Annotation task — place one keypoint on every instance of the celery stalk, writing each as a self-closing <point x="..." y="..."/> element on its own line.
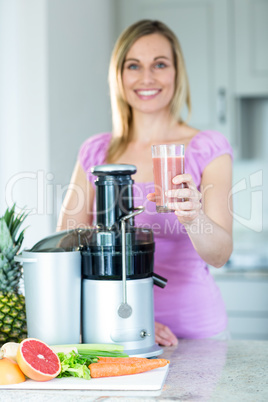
<point x="97" y="353"/>
<point x="97" y="349"/>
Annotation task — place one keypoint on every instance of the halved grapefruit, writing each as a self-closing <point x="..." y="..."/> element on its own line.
<point x="37" y="360"/>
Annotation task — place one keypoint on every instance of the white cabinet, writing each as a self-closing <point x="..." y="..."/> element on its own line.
<point x="250" y="47"/>
<point x="246" y="300"/>
<point x="202" y="29"/>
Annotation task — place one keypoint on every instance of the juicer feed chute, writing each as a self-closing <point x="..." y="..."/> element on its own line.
<point x="117" y="269"/>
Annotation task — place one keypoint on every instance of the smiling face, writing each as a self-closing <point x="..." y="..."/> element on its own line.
<point x="149" y="74"/>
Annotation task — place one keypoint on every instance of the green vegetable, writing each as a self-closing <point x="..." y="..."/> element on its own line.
<point x="75" y="365"/>
<point x="97" y="353"/>
<point x="97" y="349"/>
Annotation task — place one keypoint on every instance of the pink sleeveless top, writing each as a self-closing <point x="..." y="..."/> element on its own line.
<point x="191" y="304"/>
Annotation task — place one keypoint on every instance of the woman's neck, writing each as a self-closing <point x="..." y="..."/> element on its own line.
<point x="152" y="128"/>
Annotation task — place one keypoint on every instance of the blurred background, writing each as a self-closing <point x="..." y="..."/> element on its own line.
<point x="54" y="57"/>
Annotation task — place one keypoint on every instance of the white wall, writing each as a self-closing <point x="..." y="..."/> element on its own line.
<point x="53" y="95"/>
<point x="24" y="137"/>
<point x="80" y="37"/>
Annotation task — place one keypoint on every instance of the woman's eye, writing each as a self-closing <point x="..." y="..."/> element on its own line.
<point x="160" y="65"/>
<point x="132" y="66"/>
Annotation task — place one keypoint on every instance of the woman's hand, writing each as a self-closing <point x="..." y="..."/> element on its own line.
<point x="164" y="336"/>
<point x="185" y="201"/>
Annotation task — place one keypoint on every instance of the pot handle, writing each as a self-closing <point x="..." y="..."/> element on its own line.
<point x="24" y="259"/>
<point x="159" y="280"/>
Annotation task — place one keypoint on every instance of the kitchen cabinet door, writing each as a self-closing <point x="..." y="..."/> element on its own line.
<point x="251" y="47"/>
<point x="246" y="301"/>
<point x="201" y="27"/>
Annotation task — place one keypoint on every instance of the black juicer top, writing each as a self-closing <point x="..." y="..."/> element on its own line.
<point x="102" y="258"/>
<point x="114" y="194"/>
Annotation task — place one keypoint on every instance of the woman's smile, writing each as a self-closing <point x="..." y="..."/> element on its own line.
<point x="147" y="94"/>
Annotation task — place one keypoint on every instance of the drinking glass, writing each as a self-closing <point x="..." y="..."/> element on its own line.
<point x="168" y="162"/>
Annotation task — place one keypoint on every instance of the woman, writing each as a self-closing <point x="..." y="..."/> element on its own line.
<point x="149" y="88"/>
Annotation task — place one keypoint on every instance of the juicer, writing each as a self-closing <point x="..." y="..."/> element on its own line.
<point x="117" y="268"/>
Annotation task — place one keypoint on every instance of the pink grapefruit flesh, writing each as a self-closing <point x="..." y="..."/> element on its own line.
<point x="37" y="360"/>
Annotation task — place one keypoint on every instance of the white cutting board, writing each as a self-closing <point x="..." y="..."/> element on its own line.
<point x="149" y="381"/>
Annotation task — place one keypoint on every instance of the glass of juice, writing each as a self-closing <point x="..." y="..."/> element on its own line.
<point x="168" y="162"/>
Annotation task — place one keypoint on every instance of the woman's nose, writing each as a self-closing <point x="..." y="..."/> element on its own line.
<point x="147" y="76"/>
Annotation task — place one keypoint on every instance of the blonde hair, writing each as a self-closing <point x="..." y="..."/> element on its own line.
<point x="121" y="111"/>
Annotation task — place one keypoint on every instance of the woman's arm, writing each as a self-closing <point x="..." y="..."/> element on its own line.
<point x="76" y="210"/>
<point x="209" y="227"/>
<point x="208" y="224"/>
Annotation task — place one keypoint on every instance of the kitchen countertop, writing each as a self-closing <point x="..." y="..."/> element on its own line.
<point x="200" y="370"/>
<point x="238" y="274"/>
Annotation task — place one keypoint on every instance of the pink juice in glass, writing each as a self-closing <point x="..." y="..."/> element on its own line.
<point x="165" y="169"/>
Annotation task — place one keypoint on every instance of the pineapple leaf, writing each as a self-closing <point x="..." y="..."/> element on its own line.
<point x="13" y="223"/>
<point x="8" y="215"/>
<point x="11" y="252"/>
<point x="5" y="238"/>
<point x="16" y="224"/>
<point x="10" y="242"/>
<point x="21" y="237"/>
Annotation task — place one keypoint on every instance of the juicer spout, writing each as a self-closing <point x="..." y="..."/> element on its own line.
<point x="159" y="280"/>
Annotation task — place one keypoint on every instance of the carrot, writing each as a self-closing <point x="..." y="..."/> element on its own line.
<point x="111" y="369"/>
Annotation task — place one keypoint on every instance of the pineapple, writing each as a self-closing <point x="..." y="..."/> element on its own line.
<point x="12" y="302"/>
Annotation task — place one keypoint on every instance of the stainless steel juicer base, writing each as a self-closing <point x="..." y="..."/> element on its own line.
<point x="103" y="323"/>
